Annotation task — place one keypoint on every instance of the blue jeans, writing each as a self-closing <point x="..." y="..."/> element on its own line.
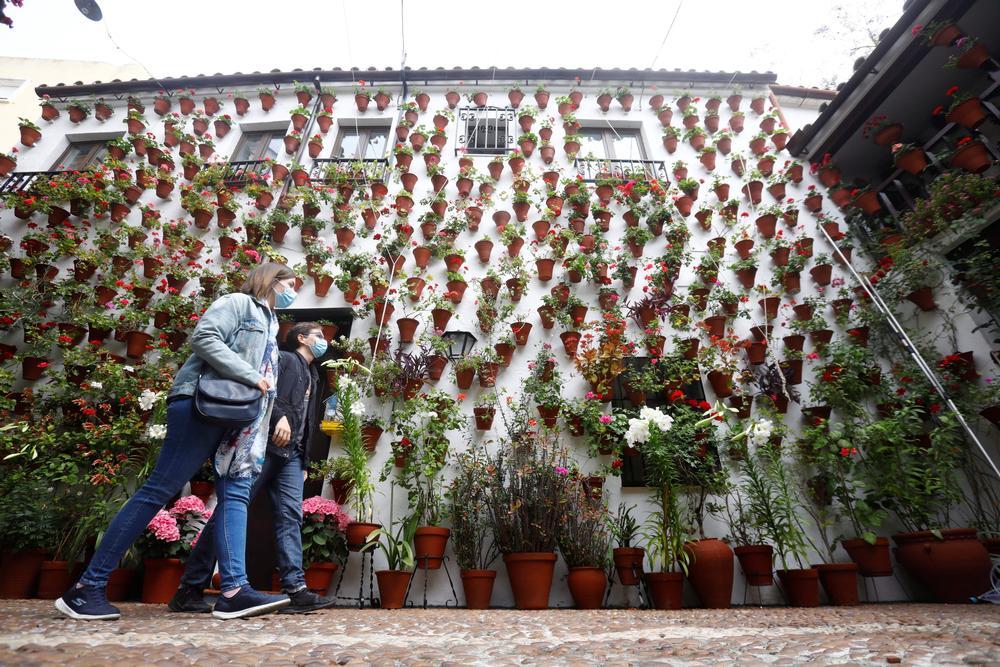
<point x="187" y="444"/>
<point x="283" y="480"/>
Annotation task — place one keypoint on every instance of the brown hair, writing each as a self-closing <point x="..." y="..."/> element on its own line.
<point x="300" y="329"/>
<point x="262" y="278"/>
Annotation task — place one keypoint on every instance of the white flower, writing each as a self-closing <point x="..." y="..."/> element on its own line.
<point x="147" y="399"/>
<point x="97" y="385"/>
<point x="638" y="432"/>
<point x="358" y="409"/>
<point x="660" y="420"/>
<point x="761" y="431"/>
<point x="157" y="431"/>
<point x="128" y="369"/>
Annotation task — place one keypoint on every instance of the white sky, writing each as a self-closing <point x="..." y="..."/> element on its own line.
<point x="185" y="37"/>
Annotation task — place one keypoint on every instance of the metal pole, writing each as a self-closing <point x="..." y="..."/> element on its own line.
<point x="910" y="348"/>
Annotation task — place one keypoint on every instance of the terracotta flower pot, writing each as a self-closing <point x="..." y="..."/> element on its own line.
<point x="21" y="570"/>
<point x="840" y="581"/>
<point x="319" y="576"/>
<point x="628" y="564"/>
<point x="392" y="585"/>
<point x="429" y="544"/>
<point x="722" y="383"/>
<point x="407" y="328"/>
<point x="120" y="584"/>
<point x="756" y="563"/>
<point x="912" y="161"/>
<point x="972" y="157"/>
<point x="357" y="532"/>
<point x="711" y="572"/>
<point x="969" y="114"/>
<point x="570" y="340"/>
<point x="953" y="569"/>
<point x="478" y="587"/>
<point x="484" y="417"/>
<point x="530" y="578"/>
<point x="872" y="559"/>
<point x="801" y="587"/>
<point x="666" y="589"/>
<point x="586" y="585"/>
<point x="160" y="580"/>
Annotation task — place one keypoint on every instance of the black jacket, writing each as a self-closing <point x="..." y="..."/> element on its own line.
<point x="295" y="376"/>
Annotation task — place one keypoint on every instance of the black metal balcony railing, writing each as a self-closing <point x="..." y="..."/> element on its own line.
<point x="23" y="180"/>
<point x="485" y="130"/>
<point x="594" y="168"/>
<point x="368" y="170"/>
<point x="242" y="172"/>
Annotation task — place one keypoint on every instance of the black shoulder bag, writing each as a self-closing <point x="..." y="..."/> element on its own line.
<point x="228" y="403"/>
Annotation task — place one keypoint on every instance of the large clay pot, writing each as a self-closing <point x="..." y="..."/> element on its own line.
<point x="628" y="564"/>
<point x="161" y="579"/>
<point x="801" y="587"/>
<point x="840" y="581"/>
<point x="954" y="568"/>
<point x="54" y="579"/>
<point x="478" y="586"/>
<point x="711" y="572"/>
<point x="430" y="541"/>
<point x="392" y="585"/>
<point x="319" y="576"/>
<point x="530" y="576"/>
<point x="20" y="573"/>
<point x="666" y="589"/>
<point x="120" y="584"/>
<point x="872" y="559"/>
<point x="357" y="532"/>
<point x="756" y="563"/>
<point x="586" y="585"/>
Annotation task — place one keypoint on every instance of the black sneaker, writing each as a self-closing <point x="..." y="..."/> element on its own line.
<point x="87" y="603"/>
<point x="189" y="600"/>
<point x="247" y="603"/>
<point x="305" y="600"/>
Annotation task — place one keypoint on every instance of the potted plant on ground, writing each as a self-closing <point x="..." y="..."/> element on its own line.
<point x="324" y="541"/>
<point x="167" y="540"/>
<point x="475" y="549"/>
<point x="397" y="547"/>
<point x="584" y="541"/>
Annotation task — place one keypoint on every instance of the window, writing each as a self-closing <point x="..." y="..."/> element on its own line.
<point x="362" y="143"/>
<point x="259" y="145"/>
<point x="81" y="155"/>
<point x="9" y="88"/>
<point x="611" y="143"/>
<point x="486" y="130"/>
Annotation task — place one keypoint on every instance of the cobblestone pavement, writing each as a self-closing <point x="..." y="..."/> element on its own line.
<point x="32" y="633"/>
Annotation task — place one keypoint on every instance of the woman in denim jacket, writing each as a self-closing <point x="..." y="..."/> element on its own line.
<point x="234" y="339"/>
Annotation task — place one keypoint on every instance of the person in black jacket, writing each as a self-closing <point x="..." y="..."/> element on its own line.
<point x="292" y="422"/>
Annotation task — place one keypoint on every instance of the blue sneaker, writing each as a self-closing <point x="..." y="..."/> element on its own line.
<point x="87" y="603"/>
<point x="247" y="603"/>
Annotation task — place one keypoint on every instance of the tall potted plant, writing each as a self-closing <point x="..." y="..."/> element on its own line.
<point x="475" y="549"/>
<point x="362" y="488"/>
<point x="584" y="541"/>
<point x="524" y="492"/>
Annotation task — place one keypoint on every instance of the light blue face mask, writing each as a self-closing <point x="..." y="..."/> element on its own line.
<point x="284" y="299"/>
<point x="318" y="348"/>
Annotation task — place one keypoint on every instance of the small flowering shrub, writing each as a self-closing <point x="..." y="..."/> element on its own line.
<point x="173" y="533"/>
<point x="324" y="526"/>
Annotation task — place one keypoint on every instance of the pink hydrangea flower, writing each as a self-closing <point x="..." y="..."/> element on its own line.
<point x="605" y="419"/>
<point x="164" y="527"/>
<point x="188" y="504"/>
<point x="321" y="507"/>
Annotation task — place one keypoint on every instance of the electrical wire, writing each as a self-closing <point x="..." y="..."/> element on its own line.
<point x="131" y="57"/>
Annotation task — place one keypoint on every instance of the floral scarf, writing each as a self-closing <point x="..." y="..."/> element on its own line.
<point x="241" y="453"/>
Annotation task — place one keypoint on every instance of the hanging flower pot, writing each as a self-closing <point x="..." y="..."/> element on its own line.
<point x="923" y="298"/>
<point x="407" y="328"/>
<point x="792" y="282"/>
<point x="484" y="417"/>
<point x="440" y="316"/>
<point x="821" y="274"/>
<point x="801" y="587"/>
<point x="969" y="114"/>
<point x="530" y="578"/>
<point x="722" y="383"/>
<point x="971" y="156"/>
<point x="29" y="135"/>
<point x="770" y="306"/>
<point x="766" y="225"/>
<point x="868" y="202"/>
<point x="570" y="340"/>
<point x="487" y="373"/>
<point x="753" y="191"/>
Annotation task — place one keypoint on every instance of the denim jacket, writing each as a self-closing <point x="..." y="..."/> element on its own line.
<point x="230" y="340"/>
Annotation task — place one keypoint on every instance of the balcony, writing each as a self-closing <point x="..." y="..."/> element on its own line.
<point x="23" y="180"/>
<point x="340" y="169"/>
<point x="594" y="168"/>
<point x="242" y="172"/>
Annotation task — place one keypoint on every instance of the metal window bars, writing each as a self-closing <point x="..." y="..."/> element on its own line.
<point x="20" y="181"/>
<point x="242" y="172"/>
<point x="485" y="130"/>
<point x="592" y="169"/>
<point x="358" y="170"/>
